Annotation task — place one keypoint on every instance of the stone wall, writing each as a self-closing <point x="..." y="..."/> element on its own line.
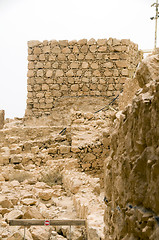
<point x="132" y="169"/>
<point x="58" y="69"/>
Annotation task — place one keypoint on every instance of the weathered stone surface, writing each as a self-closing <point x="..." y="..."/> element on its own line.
<point x="2" y="114"/>
<point x="147" y="70"/>
<point x="131" y="170"/>
<point x="46" y="195"/>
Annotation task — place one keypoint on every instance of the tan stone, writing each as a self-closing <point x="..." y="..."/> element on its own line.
<point x="59" y="73"/>
<point x="46" y="49"/>
<point x="64" y="149"/>
<point x="85" y="65"/>
<point x="29" y="201"/>
<point x="70" y="73"/>
<point x="56" y="50"/>
<point x="30" y="73"/>
<point x="49" y="73"/>
<point x="108" y="65"/>
<point x="93" y="48"/>
<point x="37" y="50"/>
<point x="84" y="49"/>
<point x="66" y="50"/>
<point x="74" y="65"/>
<point x="102" y="49"/>
<point x="45" y="87"/>
<point x="15" y="214"/>
<point x="2" y="118"/>
<point x="75" y="49"/>
<point x="46" y="195"/>
<point x="33" y="43"/>
<point x="82" y="42"/>
<point x="94" y="66"/>
<point x="40" y="73"/>
<point x="96" y="73"/>
<point x="75" y="87"/>
<point x="122" y="63"/>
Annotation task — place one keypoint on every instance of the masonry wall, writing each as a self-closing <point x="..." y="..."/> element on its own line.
<point x="57" y="69"/>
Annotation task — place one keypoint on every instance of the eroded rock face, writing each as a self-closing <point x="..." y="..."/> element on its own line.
<point x="1" y="118"/>
<point x="132" y="169"/>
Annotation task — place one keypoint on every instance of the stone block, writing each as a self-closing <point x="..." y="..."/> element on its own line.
<point x="64" y="149"/>
<point x="33" y="43"/>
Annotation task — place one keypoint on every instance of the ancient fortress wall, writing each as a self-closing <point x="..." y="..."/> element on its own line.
<point x="59" y="69"/>
<point x="132" y="169"/>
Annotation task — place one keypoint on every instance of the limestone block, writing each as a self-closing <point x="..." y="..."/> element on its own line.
<point x="74" y="65"/>
<point x="28" y="201"/>
<point x="71" y="57"/>
<point x="56" y="50"/>
<point x="72" y="42"/>
<point x="63" y="43"/>
<point x="70" y="73"/>
<point x="42" y="57"/>
<point x="5" y="202"/>
<point x="2" y="118"/>
<point x="122" y="63"/>
<point x="49" y="73"/>
<point x="84" y="49"/>
<point x="108" y="65"/>
<point x="85" y="65"/>
<point x="96" y="73"/>
<point x="40" y="73"/>
<point x="52" y="150"/>
<point x="45" y="87"/>
<point x="102" y="49"/>
<point x="15" y="214"/>
<point x="59" y="73"/>
<point x="47" y="65"/>
<point x="75" y="49"/>
<point x="31" y="57"/>
<point x="40" y="233"/>
<point x="93" y="48"/>
<point x="46" y="194"/>
<point x="89" y="157"/>
<point x="32" y="212"/>
<point x="114" y="56"/>
<point x="75" y="87"/>
<point x="82" y="42"/>
<point x="39" y="65"/>
<point x="108" y="73"/>
<point x="46" y="49"/>
<point x="81" y="56"/>
<point x="66" y="50"/>
<point x="16" y="159"/>
<point x="30" y="65"/>
<point x="64" y="149"/>
<point x="37" y="50"/>
<point x="64" y="88"/>
<point x="91" y="41"/>
<point x="125" y="72"/>
<point x="33" y="43"/>
<point x="94" y="66"/>
<point x="30" y="73"/>
<point x="61" y="57"/>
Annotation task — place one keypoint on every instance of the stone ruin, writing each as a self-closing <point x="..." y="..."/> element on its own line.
<point x="74" y="155"/>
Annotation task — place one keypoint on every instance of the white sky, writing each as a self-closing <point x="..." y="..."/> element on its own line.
<point x="24" y="20"/>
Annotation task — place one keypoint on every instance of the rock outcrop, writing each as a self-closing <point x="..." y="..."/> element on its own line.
<point x="132" y="169"/>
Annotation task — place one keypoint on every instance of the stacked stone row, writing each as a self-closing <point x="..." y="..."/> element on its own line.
<point x="62" y="68"/>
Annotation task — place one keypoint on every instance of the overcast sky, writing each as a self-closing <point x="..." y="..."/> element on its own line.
<point x="24" y="20"/>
